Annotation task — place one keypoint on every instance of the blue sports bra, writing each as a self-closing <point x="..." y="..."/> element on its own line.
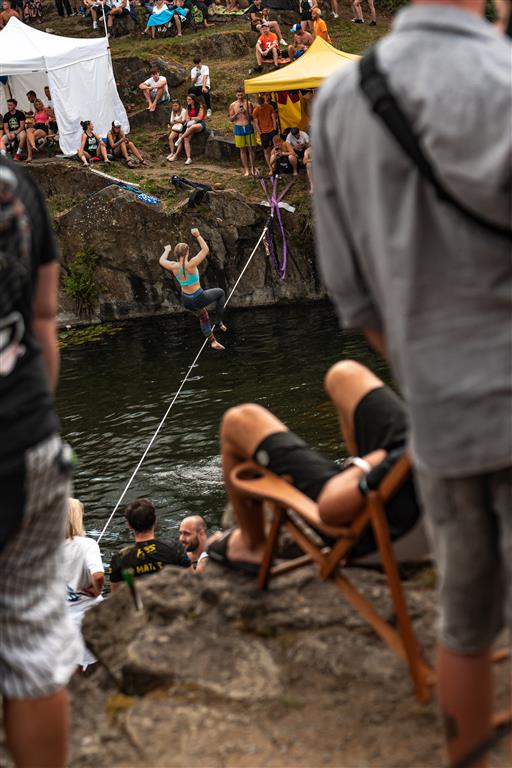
<point x="189" y="280"/>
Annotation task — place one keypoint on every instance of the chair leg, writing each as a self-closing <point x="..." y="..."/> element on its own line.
<point x="408" y="637"/>
<point x="278" y="518"/>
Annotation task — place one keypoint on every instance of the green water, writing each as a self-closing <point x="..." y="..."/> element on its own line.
<point x="113" y="393"/>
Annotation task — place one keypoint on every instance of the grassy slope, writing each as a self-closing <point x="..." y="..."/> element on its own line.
<point x="226" y="74"/>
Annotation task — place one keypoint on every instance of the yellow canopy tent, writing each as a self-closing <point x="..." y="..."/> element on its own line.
<point x="309" y="71"/>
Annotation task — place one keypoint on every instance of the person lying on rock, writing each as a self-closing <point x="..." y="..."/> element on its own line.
<point x="373" y="423"/>
<point x="194" y="298"/>
<point x="148" y="555"/>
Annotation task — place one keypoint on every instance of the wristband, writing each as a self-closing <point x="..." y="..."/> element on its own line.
<point x="357" y="461"/>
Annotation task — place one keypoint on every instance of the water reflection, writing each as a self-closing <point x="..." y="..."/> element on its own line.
<point x="113" y="394"/>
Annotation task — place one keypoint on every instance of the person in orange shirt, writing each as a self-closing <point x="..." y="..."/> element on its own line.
<point x="266" y="47"/>
<point x="319" y="25"/>
<point x="265" y="122"/>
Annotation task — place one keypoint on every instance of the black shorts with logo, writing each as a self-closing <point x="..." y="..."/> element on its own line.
<point x="380" y="421"/>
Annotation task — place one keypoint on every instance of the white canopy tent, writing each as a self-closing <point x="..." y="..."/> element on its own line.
<point x="78" y="71"/>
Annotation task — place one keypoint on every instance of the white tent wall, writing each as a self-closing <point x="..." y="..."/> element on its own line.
<point x="78" y="71"/>
<point x="85" y="91"/>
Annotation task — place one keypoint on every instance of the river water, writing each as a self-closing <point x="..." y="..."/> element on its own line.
<point x="113" y="393"/>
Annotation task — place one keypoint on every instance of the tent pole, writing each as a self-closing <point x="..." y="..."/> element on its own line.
<point x="105" y="21"/>
<point x="274" y="96"/>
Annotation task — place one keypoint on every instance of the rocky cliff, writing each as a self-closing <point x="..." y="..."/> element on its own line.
<point x="126" y="237"/>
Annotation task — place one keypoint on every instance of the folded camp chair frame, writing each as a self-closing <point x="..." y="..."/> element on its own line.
<point x="298" y="515"/>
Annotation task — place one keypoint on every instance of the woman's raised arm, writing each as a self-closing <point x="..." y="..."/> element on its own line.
<point x="203" y="253"/>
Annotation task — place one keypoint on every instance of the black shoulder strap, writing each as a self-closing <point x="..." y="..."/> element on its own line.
<point x="374" y="84"/>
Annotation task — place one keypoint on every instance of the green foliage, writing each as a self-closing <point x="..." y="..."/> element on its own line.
<point x="73" y="337"/>
<point x="80" y="281"/>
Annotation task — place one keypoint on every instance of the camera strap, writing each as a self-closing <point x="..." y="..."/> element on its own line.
<point x="374" y="84"/>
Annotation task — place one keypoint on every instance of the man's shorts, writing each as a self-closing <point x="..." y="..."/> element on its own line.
<point x="245" y="138"/>
<point x="267" y="54"/>
<point x="267" y="138"/>
<point x="470" y="522"/>
<point x="380" y="421"/>
<point x="39" y="645"/>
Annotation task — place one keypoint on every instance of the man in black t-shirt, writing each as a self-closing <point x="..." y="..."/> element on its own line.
<point x="148" y="555"/>
<point x="40" y="651"/>
<point x="14" y="127"/>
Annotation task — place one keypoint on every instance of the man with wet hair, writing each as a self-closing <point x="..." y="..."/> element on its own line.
<point x="148" y="555"/>
<point x="193" y="538"/>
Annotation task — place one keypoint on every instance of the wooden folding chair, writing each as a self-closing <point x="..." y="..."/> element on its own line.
<point x="298" y="514"/>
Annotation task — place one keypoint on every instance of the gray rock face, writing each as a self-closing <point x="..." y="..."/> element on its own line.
<point x="128" y="237"/>
<point x="214" y="672"/>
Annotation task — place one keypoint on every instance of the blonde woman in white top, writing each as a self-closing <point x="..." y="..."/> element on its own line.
<point x="83" y="571"/>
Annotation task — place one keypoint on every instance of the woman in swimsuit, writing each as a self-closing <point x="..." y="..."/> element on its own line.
<point x="194" y="298"/>
<point x="91" y="145"/>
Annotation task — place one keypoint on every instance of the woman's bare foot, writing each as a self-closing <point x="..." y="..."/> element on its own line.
<point x="214" y="344"/>
<point x="222" y="327"/>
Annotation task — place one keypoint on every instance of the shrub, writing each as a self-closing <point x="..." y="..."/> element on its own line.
<point x="80" y="281"/>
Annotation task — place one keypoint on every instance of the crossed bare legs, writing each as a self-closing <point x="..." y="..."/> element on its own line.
<point x="244" y="427"/>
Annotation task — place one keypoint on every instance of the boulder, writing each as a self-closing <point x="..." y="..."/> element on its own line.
<point x="224" y="45"/>
<point x="215" y="672"/>
<point x="127" y="236"/>
<point x="221" y="148"/>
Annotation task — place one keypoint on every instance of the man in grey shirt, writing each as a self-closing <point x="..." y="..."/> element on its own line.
<point x="433" y="292"/>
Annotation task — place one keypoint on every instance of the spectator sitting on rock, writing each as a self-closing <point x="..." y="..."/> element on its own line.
<point x="195" y="124"/>
<point x="258" y="15"/>
<point x="201" y="85"/>
<point x="301" y="42"/>
<point x="91" y="146"/>
<point x="240" y="114"/>
<point x="119" y="145"/>
<point x="7" y="13"/>
<point x="118" y="9"/>
<point x="155" y="90"/>
<point x="193" y="538"/>
<point x="319" y="25"/>
<point x="374" y="426"/>
<point x="31" y="98"/>
<point x="148" y="555"/>
<point x="159" y="17"/>
<point x="14" y="128"/>
<point x="283" y="158"/>
<point x="299" y="141"/>
<point x="177" y="124"/>
<point x="38" y="134"/>
<point x="265" y="122"/>
<point x="97" y="8"/>
<point x="266" y="47"/>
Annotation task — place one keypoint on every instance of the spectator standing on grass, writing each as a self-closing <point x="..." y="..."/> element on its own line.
<point x="432" y="289"/>
<point x="265" y="121"/>
<point x="240" y="114"/>
<point x="267" y="47"/>
<point x="319" y="26"/>
<point x="62" y="5"/>
<point x="39" y="642"/>
<point x="155" y="89"/>
<point x="358" y="12"/>
<point x="201" y="84"/>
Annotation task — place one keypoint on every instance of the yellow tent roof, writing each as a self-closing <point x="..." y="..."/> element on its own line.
<point x="309" y="71"/>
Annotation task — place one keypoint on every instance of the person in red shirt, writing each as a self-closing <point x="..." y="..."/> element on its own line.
<point x="266" y="47"/>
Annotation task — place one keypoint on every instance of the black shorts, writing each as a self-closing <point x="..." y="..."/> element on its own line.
<point x="266" y="139"/>
<point x="283" y="165"/>
<point x="268" y="53"/>
<point x="380" y="421"/>
<point x="306" y="16"/>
